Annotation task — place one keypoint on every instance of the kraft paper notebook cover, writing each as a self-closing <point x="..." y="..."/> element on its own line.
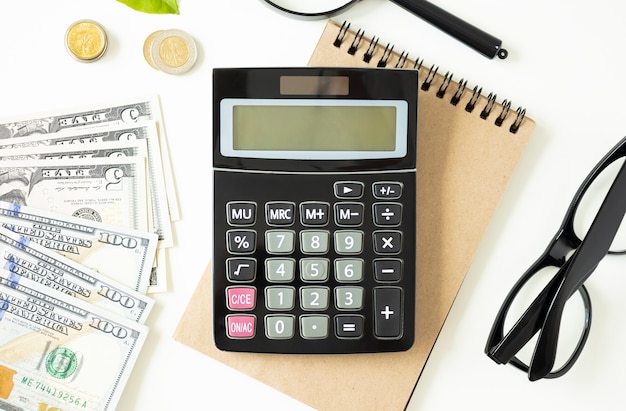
<point x="465" y="159"/>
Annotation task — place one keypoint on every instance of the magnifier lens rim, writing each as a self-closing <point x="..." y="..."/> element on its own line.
<point x="311" y="14"/>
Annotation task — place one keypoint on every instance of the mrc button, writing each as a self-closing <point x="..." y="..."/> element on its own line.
<point x="279" y="213"/>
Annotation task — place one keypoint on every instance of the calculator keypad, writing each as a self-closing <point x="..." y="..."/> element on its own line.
<point x="325" y="273"/>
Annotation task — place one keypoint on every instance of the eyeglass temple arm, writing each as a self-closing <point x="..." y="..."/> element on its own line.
<point x="504" y="349"/>
<point x="592" y="250"/>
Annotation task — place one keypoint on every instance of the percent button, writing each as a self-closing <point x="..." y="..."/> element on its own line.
<point x="241" y="241"/>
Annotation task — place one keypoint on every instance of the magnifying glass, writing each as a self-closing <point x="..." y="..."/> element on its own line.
<point x="486" y="44"/>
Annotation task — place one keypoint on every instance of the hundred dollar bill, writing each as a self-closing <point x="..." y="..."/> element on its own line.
<point x="59" y="353"/>
<point x="121" y="134"/>
<point x="25" y="258"/>
<point x="111" y="190"/>
<point x="122" y="254"/>
<point x="127" y="111"/>
<point x="135" y="148"/>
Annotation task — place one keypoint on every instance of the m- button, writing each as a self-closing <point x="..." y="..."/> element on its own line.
<point x="279" y="213"/>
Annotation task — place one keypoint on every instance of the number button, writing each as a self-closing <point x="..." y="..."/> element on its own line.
<point x="348" y="242"/>
<point x="348" y="270"/>
<point x="349" y="298"/>
<point x="314" y="241"/>
<point x="279" y="327"/>
<point x="314" y="298"/>
<point x="279" y="298"/>
<point x="280" y="270"/>
<point x="314" y="269"/>
<point x="279" y="242"/>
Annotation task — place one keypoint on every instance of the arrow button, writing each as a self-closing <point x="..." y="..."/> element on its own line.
<point x="348" y="189"/>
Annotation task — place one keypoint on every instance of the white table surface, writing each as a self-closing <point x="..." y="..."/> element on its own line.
<point x="566" y="66"/>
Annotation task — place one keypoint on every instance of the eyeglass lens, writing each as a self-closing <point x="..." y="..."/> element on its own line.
<point x="590" y="204"/>
<point x="572" y="325"/>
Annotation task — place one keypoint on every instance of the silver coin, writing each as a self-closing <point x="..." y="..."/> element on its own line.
<point x="173" y="51"/>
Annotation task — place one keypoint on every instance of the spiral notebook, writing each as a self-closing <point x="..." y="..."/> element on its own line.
<point x="468" y="147"/>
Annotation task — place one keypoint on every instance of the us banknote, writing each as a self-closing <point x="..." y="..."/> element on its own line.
<point x="60" y="353"/>
<point x="111" y="190"/>
<point x="122" y="134"/>
<point x="127" y="111"/>
<point x="122" y="254"/>
<point x="134" y="148"/>
<point x="25" y="258"/>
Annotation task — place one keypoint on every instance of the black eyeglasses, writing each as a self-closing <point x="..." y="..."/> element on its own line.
<point x="590" y="230"/>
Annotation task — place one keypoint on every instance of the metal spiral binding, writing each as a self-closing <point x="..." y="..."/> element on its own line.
<point x="457" y="94"/>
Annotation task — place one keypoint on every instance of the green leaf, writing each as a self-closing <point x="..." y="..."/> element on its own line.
<point x="153" y="6"/>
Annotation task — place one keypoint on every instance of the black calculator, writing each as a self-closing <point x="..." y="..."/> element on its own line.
<point x="314" y="237"/>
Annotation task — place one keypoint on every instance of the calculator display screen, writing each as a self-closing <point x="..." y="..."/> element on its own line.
<point x="325" y="129"/>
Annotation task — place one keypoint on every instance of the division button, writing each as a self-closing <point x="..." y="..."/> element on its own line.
<point x="387" y="214"/>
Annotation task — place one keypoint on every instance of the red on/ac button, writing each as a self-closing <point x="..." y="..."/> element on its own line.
<point x="240" y="326"/>
<point x="241" y="298"/>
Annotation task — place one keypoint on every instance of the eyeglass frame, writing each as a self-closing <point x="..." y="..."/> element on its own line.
<point x="544" y="314"/>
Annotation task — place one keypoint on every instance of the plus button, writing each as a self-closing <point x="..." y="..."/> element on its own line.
<point x="387" y="312"/>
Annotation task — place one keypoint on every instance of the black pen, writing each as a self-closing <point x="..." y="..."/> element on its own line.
<point x="483" y="42"/>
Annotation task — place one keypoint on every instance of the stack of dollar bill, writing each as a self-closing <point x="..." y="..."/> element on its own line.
<point x="86" y="206"/>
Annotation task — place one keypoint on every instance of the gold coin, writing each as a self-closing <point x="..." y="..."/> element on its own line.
<point x="147" y="45"/>
<point x="173" y="51"/>
<point x="86" y="40"/>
